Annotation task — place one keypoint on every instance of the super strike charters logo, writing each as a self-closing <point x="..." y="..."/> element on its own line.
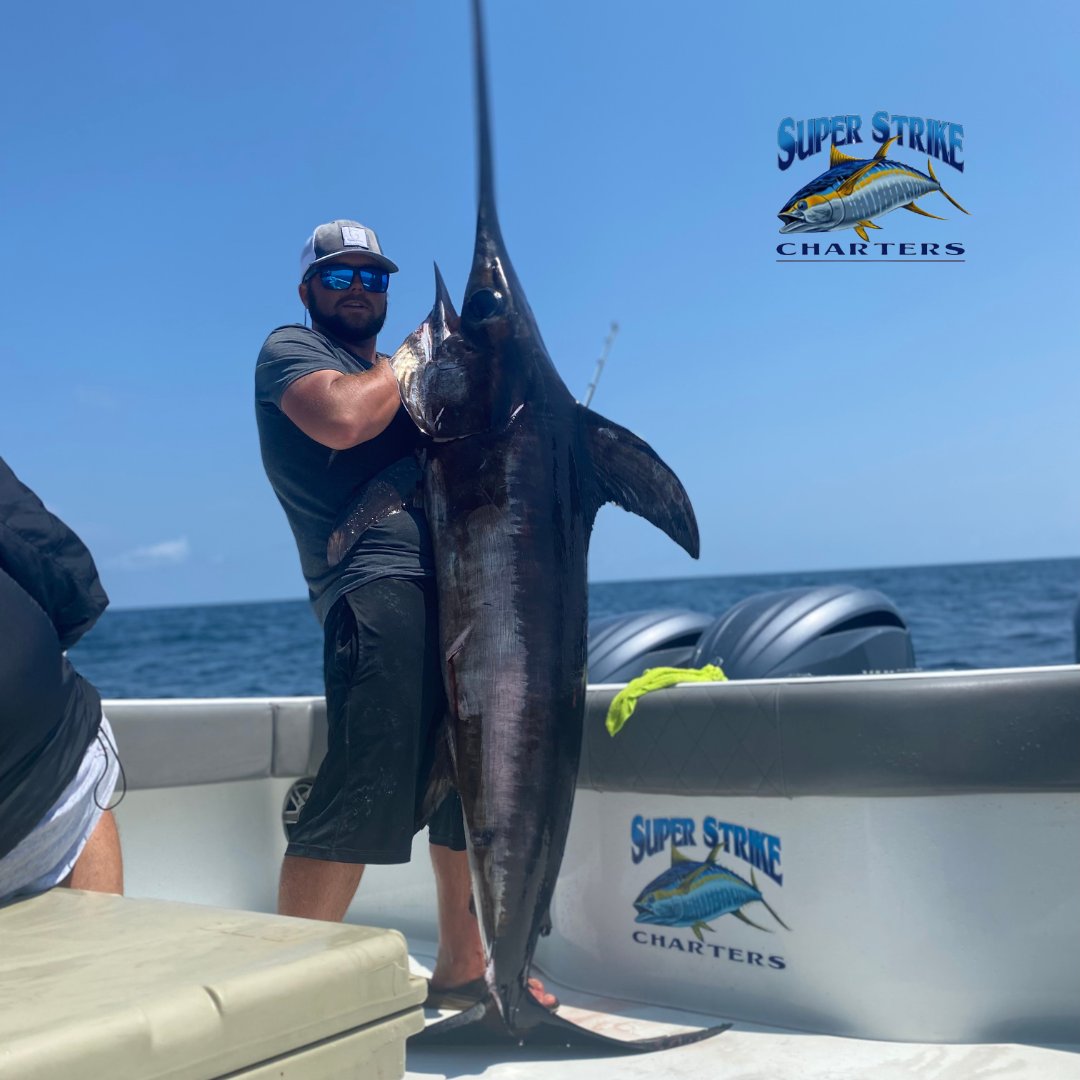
<point x="859" y="186"/>
<point x="694" y="892"/>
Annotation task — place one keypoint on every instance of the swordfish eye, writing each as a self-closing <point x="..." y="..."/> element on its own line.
<point x="483" y="304"/>
<point x="802" y="204"/>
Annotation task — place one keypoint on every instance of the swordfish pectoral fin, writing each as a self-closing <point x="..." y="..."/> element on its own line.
<point x="370" y="508"/>
<point x="388" y="493"/>
<point x="413" y="361"/>
<point x="483" y="1024"/>
<point x="629" y="473"/>
<point x="443" y="315"/>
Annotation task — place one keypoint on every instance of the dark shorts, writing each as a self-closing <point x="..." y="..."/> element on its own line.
<point x="384" y="705"/>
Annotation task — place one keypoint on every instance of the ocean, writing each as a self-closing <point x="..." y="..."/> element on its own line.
<point x="1014" y="614"/>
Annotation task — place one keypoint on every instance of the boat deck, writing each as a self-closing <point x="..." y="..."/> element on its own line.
<point x="746" y="1052"/>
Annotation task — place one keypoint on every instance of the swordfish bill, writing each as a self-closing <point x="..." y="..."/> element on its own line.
<point x="513" y="477"/>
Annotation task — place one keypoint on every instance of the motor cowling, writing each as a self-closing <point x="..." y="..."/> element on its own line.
<point x="817" y="630"/>
<point x="621" y="647"/>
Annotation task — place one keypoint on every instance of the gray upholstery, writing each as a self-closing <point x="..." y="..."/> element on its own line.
<point x="174" y="743"/>
<point x="923" y="734"/>
<point x="883" y="735"/>
<point x="299" y="735"/>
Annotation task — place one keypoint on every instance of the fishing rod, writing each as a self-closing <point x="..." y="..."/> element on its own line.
<point x="600" y="363"/>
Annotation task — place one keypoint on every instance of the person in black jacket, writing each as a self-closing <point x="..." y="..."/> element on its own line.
<point x="58" y="763"/>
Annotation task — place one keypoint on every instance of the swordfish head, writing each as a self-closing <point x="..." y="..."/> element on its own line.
<point x="472" y="374"/>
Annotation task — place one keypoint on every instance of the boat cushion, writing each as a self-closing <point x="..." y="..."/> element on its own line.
<point x="175" y="743"/>
<point x="908" y="734"/>
<point x="94" y="985"/>
<point x="931" y="733"/>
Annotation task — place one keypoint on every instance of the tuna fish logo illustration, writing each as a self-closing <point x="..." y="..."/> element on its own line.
<point x="856" y="190"/>
<point x="691" y="893"/>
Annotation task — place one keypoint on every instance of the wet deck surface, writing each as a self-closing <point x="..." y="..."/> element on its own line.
<point x="746" y="1052"/>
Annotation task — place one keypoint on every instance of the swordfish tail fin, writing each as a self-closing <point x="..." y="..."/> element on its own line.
<point x="630" y="474"/>
<point x="943" y="191"/>
<point x="483" y="1025"/>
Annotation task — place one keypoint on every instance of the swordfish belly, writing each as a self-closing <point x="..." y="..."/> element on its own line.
<point x="510" y="538"/>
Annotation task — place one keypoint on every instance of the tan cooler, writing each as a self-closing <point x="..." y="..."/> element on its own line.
<point x="95" y="987"/>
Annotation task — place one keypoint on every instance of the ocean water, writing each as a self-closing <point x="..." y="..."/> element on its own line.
<point x="1015" y="614"/>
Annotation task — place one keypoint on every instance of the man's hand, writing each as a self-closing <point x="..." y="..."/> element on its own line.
<point x="341" y="411"/>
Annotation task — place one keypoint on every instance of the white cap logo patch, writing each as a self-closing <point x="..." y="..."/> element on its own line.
<point x="354" y="237"/>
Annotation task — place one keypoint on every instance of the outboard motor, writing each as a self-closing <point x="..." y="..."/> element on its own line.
<point x="621" y="647"/>
<point x="820" y="630"/>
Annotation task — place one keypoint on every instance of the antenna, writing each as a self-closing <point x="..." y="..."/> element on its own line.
<point x="600" y="363"/>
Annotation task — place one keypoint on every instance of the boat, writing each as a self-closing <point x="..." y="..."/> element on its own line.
<point x="877" y="870"/>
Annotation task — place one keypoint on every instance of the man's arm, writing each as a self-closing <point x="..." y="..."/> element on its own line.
<point x="341" y="411"/>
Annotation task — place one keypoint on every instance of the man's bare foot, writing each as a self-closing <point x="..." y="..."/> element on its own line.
<point x="450" y="974"/>
<point x="462" y="994"/>
<point x="536" y="988"/>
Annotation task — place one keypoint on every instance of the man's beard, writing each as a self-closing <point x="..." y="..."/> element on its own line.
<point x="351" y="333"/>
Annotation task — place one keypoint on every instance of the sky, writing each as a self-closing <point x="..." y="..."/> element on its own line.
<point x="161" y="166"/>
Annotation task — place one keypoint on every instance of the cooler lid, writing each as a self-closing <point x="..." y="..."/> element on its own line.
<point x="97" y="985"/>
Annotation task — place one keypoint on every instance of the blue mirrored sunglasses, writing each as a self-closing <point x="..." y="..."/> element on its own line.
<point x="340" y="278"/>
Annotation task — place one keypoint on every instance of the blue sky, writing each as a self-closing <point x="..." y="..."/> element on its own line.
<point x="163" y="164"/>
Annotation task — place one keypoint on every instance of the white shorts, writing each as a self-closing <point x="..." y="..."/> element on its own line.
<point x="46" y="856"/>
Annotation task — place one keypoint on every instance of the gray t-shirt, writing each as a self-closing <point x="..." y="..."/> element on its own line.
<point x="316" y="484"/>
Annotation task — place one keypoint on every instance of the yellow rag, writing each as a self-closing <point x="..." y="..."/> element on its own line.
<point x="656" y="678"/>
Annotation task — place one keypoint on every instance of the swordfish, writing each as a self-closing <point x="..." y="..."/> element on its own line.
<point x="513" y="477"/>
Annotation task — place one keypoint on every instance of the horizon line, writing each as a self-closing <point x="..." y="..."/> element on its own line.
<point x="635" y="581"/>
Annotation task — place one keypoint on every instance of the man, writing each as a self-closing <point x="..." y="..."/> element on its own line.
<point x="58" y="764"/>
<point x="330" y="423"/>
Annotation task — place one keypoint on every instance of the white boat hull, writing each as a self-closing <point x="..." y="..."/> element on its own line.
<point x="941" y="916"/>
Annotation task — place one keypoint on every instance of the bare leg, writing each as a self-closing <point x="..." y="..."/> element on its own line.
<point x="461" y="951"/>
<point x="317" y="888"/>
<point x="100" y="867"/>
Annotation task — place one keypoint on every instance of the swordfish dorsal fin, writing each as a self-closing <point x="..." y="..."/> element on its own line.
<point x="677" y="856"/>
<point x="629" y="473"/>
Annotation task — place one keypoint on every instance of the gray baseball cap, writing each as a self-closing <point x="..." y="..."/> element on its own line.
<point x="337" y="238"/>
